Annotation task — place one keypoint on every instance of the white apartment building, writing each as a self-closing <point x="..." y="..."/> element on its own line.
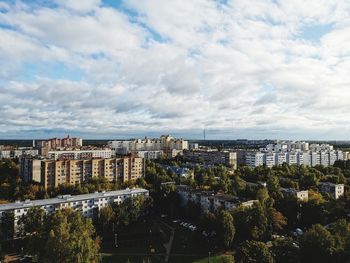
<point x="80" y="154"/>
<point x="87" y="204"/>
<point x="17" y="153"/>
<point x="281" y="158"/>
<point x="292" y="158"/>
<point x="170" y="146"/>
<point x="270" y="159"/>
<point x="294" y="153"/>
<point x="255" y="159"/>
<point x="149" y="155"/>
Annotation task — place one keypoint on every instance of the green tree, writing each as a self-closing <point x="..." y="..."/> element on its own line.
<point x="317" y="245"/>
<point x="66" y="237"/>
<point x="262" y="195"/>
<point x="285" y="251"/>
<point x="105" y="218"/>
<point x="227" y="227"/>
<point x="273" y="184"/>
<point x="32" y="222"/>
<point x="308" y="180"/>
<point x="341" y="233"/>
<point x="7" y="225"/>
<point x="253" y="252"/>
<point x="250" y="222"/>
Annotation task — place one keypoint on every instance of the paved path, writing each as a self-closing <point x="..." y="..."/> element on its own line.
<point x="170" y="244"/>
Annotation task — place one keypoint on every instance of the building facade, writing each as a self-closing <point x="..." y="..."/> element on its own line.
<point x="12" y="152"/>
<point x="71" y="172"/>
<point x="169" y="146"/>
<point x="268" y="156"/>
<point x="335" y="190"/>
<point x="45" y="146"/>
<point x="210" y="201"/>
<point x="302" y="195"/>
<point x="87" y="204"/>
<point x="212" y="157"/>
<point x="79" y="154"/>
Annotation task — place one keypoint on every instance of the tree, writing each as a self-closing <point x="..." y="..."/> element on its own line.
<point x="308" y="180"/>
<point x="262" y="195"/>
<point x="105" y="218"/>
<point x="66" y="237"/>
<point x="32" y="221"/>
<point x="208" y="221"/>
<point x="341" y="233"/>
<point x="273" y="184"/>
<point x="253" y="252"/>
<point x="285" y="251"/>
<point x="7" y="225"/>
<point x="317" y="245"/>
<point x="227" y="227"/>
<point x="250" y="222"/>
<point x="238" y="185"/>
<point x="312" y="212"/>
<point x="276" y="219"/>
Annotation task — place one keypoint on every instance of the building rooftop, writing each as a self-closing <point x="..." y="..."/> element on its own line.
<point x="71" y="198"/>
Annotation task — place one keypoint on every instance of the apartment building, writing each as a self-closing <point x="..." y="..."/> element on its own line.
<point x="52" y="173"/>
<point x="87" y="204"/>
<point x="269" y="157"/>
<point x="300" y="195"/>
<point x="210" y="201"/>
<point x="149" y="155"/>
<point x="169" y="145"/>
<point x="45" y="146"/>
<point x="30" y="169"/>
<point x="12" y="152"/>
<point x="255" y="159"/>
<point x="210" y="156"/>
<point x="335" y="190"/>
<point x="79" y="154"/>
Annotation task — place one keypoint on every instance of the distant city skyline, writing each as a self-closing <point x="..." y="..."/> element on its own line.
<point x="105" y="69"/>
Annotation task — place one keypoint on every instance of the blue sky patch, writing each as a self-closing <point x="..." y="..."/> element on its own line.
<point x="314" y="33"/>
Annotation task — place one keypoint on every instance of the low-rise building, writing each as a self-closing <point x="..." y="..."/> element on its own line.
<point x="210" y="201"/>
<point x="302" y="195"/>
<point x="87" y="204"/>
<point x="335" y="190"/>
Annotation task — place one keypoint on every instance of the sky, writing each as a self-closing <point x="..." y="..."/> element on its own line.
<point x="125" y="68"/>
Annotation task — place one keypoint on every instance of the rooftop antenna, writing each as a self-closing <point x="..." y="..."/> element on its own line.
<point x="204" y="134"/>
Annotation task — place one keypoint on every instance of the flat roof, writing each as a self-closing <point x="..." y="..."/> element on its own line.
<point x="69" y="198"/>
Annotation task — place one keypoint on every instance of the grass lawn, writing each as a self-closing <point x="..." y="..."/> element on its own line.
<point x="214" y="259"/>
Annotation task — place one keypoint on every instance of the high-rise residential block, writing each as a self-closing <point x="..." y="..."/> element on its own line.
<point x="71" y="172"/>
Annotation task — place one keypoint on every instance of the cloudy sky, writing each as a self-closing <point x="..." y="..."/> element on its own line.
<point x="115" y="69"/>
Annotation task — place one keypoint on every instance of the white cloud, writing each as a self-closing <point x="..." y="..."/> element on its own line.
<point x="240" y="67"/>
